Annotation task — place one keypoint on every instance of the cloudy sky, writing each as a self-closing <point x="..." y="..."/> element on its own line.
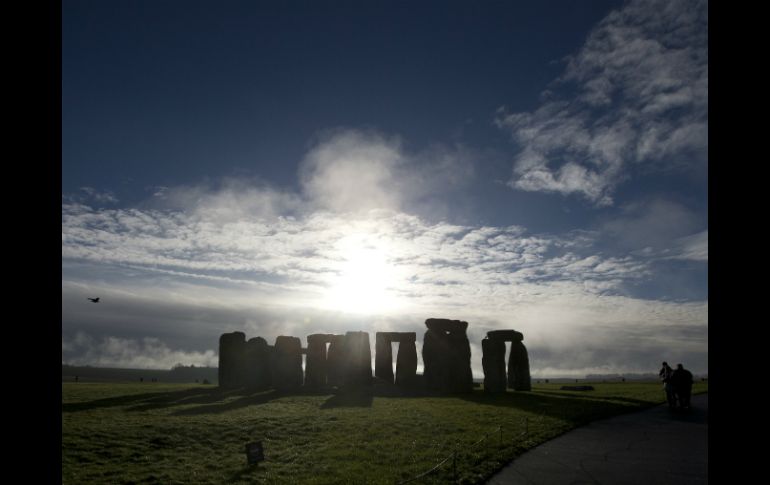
<point x="289" y="168"/>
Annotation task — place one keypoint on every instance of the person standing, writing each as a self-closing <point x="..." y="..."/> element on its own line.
<point x="681" y="380"/>
<point x="665" y="377"/>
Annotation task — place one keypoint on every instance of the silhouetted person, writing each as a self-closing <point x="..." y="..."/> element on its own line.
<point x="76" y="378"/>
<point x="95" y="300"/>
<point x="141" y="379"/>
<point x="665" y="377"/>
<point x="681" y="380"/>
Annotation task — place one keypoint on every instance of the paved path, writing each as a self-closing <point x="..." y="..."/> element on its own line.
<point x="654" y="446"/>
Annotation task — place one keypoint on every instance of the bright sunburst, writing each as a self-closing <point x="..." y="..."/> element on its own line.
<point x="364" y="282"/>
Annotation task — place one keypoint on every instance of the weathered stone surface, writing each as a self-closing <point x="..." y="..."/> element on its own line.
<point x="518" y="368"/>
<point x="446" y="355"/>
<point x="232" y="359"/>
<point x="505" y="335"/>
<point x="445" y="325"/>
<point x="383" y="356"/>
<point x="257" y="363"/>
<point x="493" y="362"/>
<point x="406" y="363"/>
<point x="316" y="362"/>
<point x="357" y="359"/>
<point x="286" y="363"/>
<point x="335" y="361"/>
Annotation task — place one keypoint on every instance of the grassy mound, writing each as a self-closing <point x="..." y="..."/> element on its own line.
<point x="186" y="433"/>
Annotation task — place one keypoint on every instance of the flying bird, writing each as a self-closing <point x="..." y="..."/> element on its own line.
<point x="95" y="300"/>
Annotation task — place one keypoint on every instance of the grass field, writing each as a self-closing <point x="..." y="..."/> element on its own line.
<point x="187" y="433"/>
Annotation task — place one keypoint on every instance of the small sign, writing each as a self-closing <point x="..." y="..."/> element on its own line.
<point x="254" y="452"/>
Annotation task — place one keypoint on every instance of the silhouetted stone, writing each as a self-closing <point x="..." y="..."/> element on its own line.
<point x="383" y="356"/>
<point x="518" y="368"/>
<point x="444" y="325"/>
<point x="316" y="363"/>
<point x="446" y="355"/>
<point x="358" y="359"/>
<point x="577" y="388"/>
<point x="286" y="363"/>
<point x="406" y="360"/>
<point x="232" y="359"/>
<point x="257" y="363"/>
<point x="335" y="361"/>
<point x="493" y="362"/>
<point x="505" y="335"/>
<point x="518" y="361"/>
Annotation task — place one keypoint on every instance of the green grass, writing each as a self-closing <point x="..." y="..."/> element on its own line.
<point x="187" y="433"/>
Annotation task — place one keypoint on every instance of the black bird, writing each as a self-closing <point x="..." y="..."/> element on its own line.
<point x="95" y="300"/>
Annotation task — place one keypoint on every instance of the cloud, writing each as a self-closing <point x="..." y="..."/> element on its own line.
<point x="651" y="224"/>
<point x="341" y="253"/>
<point x="635" y="93"/>
<point x="357" y="171"/>
<point x="694" y="247"/>
<point x="145" y="353"/>
<point x="186" y="278"/>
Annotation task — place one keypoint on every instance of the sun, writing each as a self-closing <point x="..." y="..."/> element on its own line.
<point x="364" y="282"/>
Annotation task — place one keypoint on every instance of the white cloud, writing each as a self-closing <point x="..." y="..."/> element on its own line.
<point x="191" y="274"/>
<point x="641" y="81"/>
<point x="145" y="353"/>
<point x="342" y="254"/>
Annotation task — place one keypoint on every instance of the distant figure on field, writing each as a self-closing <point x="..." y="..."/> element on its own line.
<point x="76" y="378"/>
<point x="95" y="300"/>
<point x="681" y="380"/>
<point x="665" y="377"/>
<point x="141" y="379"/>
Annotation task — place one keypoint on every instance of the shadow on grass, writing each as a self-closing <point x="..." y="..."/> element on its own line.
<point x="576" y="408"/>
<point x="168" y="398"/>
<point x="594" y="397"/>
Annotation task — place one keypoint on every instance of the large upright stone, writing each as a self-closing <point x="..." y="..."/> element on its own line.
<point x="493" y="362"/>
<point x="446" y="355"/>
<point x="286" y="363"/>
<point x="257" y="363"/>
<point x="232" y="359"/>
<point x="335" y="361"/>
<point x="358" y="360"/>
<point x="315" y="364"/>
<point x="518" y="368"/>
<point x="406" y="360"/>
<point x="383" y="356"/>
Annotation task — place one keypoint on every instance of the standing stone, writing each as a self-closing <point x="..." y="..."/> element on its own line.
<point x="286" y="364"/>
<point x="358" y="359"/>
<point x="406" y="360"/>
<point x="460" y="374"/>
<point x="493" y="361"/>
<point x="315" y="365"/>
<point x="231" y="359"/>
<point x="257" y="363"/>
<point x="335" y="361"/>
<point x="383" y="356"/>
<point x="446" y="355"/>
<point x="518" y="368"/>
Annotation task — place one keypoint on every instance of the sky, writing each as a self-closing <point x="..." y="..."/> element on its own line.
<point x="290" y="168"/>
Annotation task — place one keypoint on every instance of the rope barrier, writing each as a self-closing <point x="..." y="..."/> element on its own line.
<point x="454" y="454"/>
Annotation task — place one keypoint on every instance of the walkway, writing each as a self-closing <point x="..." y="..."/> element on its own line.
<point x="654" y="446"/>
